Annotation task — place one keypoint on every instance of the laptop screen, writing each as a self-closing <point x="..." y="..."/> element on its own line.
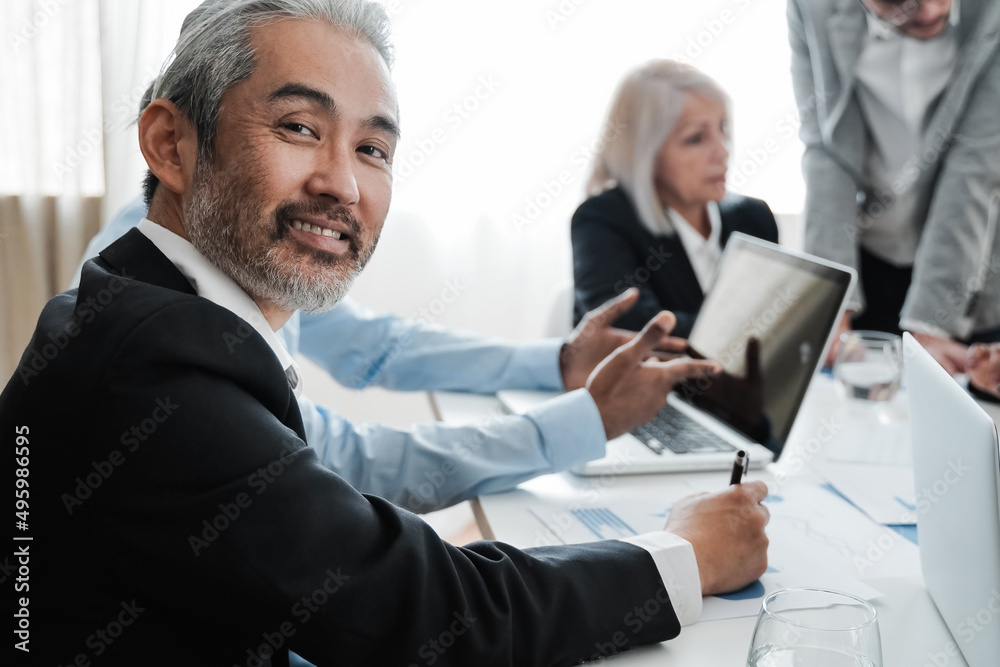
<point x="766" y="320"/>
<point x="956" y="475"/>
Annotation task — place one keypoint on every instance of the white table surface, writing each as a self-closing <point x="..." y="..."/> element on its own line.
<point x="913" y="633"/>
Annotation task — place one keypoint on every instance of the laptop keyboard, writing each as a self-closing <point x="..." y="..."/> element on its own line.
<point x="672" y="429"/>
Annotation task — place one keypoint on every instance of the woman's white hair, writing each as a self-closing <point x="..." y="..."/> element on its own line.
<point x="213" y="52"/>
<point x="643" y="113"/>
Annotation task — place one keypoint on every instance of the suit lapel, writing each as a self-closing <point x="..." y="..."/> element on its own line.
<point x="135" y="256"/>
<point x="846" y="30"/>
<point x="681" y="273"/>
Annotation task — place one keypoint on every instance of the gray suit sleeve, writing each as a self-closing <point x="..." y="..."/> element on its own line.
<point x="831" y="222"/>
<point x="951" y="251"/>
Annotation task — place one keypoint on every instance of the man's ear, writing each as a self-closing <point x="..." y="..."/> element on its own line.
<point x="169" y="143"/>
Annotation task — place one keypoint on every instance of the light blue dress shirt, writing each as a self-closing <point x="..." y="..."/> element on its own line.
<point x="428" y="466"/>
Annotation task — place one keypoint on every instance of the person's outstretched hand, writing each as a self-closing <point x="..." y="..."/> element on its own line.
<point x="594" y="339"/>
<point x="630" y="386"/>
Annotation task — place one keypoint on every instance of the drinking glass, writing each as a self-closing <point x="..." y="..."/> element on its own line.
<point x="869" y="365"/>
<point x="813" y="627"/>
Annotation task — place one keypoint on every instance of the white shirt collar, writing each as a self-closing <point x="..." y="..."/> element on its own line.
<point x="882" y="29"/>
<point x="703" y="253"/>
<point x="211" y="283"/>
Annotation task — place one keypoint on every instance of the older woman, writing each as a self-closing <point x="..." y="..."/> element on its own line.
<point x="658" y="214"/>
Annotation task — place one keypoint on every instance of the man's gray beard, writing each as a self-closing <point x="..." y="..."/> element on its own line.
<point x="213" y="215"/>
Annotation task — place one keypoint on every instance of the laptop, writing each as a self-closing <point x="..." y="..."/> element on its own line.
<point x="767" y="319"/>
<point x="956" y="470"/>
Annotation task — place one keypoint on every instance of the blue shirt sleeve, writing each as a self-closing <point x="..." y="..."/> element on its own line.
<point x="360" y="348"/>
<point x="431" y="466"/>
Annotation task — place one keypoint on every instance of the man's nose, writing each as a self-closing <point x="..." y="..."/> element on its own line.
<point x="334" y="177"/>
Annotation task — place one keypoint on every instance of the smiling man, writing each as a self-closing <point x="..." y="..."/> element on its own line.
<point x="898" y="101"/>
<point x="177" y="515"/>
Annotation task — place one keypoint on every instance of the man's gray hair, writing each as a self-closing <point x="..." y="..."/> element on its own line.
<point x="213" y="52"/>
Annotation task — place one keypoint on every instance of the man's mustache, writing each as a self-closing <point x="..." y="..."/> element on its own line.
<point x="292" y="210"/>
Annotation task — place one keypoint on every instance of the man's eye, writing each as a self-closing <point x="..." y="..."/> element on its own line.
<point x="298" y="128"/>
<point x="693" y="139"/>
<point x="373" y="151"/>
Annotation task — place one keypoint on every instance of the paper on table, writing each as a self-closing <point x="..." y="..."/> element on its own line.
<point x="817" y="540"/>
<point x="872" y="441"/>
<point x="747" y="602"/>
<point x="810" y="524"/>
<point x="884" y="493"/>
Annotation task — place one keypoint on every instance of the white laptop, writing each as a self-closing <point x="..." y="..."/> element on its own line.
<point x="956" y="470"/>
<point x="790" y="303"/>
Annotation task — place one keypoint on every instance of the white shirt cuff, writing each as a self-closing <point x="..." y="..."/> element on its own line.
<point x="675" y="561"/>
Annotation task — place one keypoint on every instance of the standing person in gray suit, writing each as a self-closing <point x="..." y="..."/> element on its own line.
<point x="900" y="109"/>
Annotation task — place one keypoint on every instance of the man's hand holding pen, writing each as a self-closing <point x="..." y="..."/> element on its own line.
<point x="726" y="529"/>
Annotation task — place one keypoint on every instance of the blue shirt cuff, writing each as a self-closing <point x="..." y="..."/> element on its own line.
<point x="571" y="428"/>
<point x="538" y="361"/>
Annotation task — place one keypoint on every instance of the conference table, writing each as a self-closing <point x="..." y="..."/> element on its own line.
<point x="817" y="537"/>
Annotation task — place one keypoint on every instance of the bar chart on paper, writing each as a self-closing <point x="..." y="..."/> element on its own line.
<point x="603" y="523"/>
<point x="577" y="525"/>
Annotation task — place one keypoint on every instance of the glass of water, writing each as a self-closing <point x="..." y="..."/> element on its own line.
<point x="869" y="365"/>
<point x="812" y="627"/>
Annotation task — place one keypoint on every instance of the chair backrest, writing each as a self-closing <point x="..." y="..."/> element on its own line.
<point x="560" y="320"/>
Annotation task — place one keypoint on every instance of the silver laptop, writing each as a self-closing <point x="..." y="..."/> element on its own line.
<point x="956" y="469"/>
<point x="767" y="319"/>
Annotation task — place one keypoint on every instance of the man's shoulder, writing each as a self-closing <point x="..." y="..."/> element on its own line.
<point x="127" y="298"/>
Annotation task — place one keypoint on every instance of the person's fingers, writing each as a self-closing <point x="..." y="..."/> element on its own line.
<point x="631" y="354"/>
<point x="757" y="490"/>
<point x="612" y="309"/>
<point x="670" y="343"/>
<point x="679" y="370"/>
<point x="976" y="355"/>
<point x="624" y="334"/>
<point x="645" y="342"/>
<point x="659" y="355"/>
<point x="766" y="512"/>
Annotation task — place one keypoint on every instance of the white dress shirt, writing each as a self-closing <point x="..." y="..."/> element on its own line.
<point x="211" y="283"/>
<point x="900" y="79"/>
<point x="704" y="254"/>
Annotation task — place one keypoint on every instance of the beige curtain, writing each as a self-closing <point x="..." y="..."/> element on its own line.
<point x="41" y="241"/>
<point x="71" y="77"/>
<point x="51" y="156"/>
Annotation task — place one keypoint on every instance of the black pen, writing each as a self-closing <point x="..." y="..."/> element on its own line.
<point x="740" y="467"/>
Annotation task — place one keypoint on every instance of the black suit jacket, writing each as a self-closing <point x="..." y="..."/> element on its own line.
<point x="179" y="518"/>
<point x="613" y="250"/>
